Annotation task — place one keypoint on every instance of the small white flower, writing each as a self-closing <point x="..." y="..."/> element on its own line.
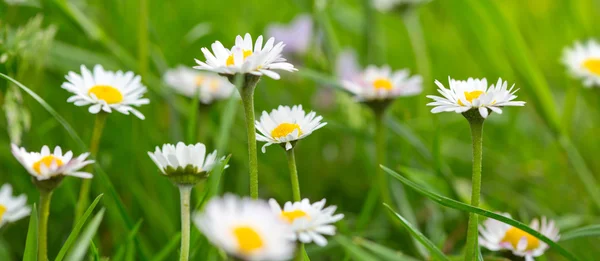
<point x="245" y="228"/>
<point x="45" y="165"/>
<point x="106" y="90"/>
<point x="244" y="57"/>
<point x="474" y="94"/>
<point x="285" y="124"/>
<point x="495" y="236"/>
<point x="12" y="208"/>
<point x="309" y="221"/>
<point x="297" y="34"/>
<point x="382" y="84"/>
<point x="388" y="5"/>
<point x="183" y="158"/>
<point x="583" y="62"/>
<point x="189" y="82"/>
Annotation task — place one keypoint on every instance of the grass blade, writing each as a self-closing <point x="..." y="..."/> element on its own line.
<point x="30" y="253"/>
<point x="82" y="245"/>
<point x="75" y="232"/>
<point x="435" y="252"/>
<point x="354" y="250"/>
<point x="169" y="247"/>
<point x="588" y="231"/>
<point x="464" y="207"/>
<point x="382" y="251"/>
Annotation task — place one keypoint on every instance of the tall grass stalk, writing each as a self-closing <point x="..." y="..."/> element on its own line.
<point x="476" y="124"/>
<point x="44" y="213"/>
<point x="84" y="191"/>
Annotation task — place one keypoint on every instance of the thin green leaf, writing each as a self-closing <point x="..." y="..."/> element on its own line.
<point x="587" y="231"/>
<point x="75" y="232"/>
<point x="382" y="251"/>
<point x="435" y="252"/>
<point x="95" y="253"/>
<point x="169" y="247"/>
<point x="30" y="253"/>
<point x="127" y="242"/>
<point x="81" y="246"/>
<point x="354" y="250"/>
<point x="464" y="207"/>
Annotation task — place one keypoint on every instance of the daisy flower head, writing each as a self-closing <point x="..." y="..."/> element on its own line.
<point x="309" y="221"/>
<point x="12" y="208"/>
<point x="245" y="228"/>
<point x="184" y="164"/>
<point x="463" y="96"/>
<point x="106" y="90"/>
<point x="286" y="125"/>
<point x="495" y="236"/>
<point x="191" y="83"/>
<point x="382" y="84"/>
<point x="246" y="57"/>
<point x="583" y="62"/>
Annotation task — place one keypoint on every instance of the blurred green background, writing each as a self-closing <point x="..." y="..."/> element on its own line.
<point x="533" y="156"/>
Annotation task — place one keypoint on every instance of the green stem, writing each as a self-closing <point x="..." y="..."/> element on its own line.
<point x="185" y="192"/>
<point x="472" y="232"/>
<point x="381" y="177"/>
<point x="84" y="192"/>
<point x="247" y="93"/>
<point x="300" y="253"/>
<point x="293" y="174"/>
<point x="44" y="212"/>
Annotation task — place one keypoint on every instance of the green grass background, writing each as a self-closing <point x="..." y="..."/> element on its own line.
<point x="526" y="170"/>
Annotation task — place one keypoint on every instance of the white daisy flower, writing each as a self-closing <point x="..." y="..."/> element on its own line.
<point x="388" y="5"/>
<point x="12" y="208"/>
<point x="45" y="165"/>
<point x="182" y="160"/>
<point x="474" y="94"/>
<point x="495" y="236"/>
<point x="189" y="82"/>
<point x="309" y="221"/>
<point x="244" y="57"/>
<point x="583" y="62"/>
<point x="286" y="125"/>
<point x="106" y="90"/>
<point x="382" y="84"/>
<point x="245" y="228"/>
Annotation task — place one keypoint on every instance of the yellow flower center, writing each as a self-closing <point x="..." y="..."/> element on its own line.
<point x="285" y="129"/>
<point x="199" y="80"/>
<point x="230" y="60"/>
<point x="248" y="239"/>
<point x="593" y="65"/>
<point x="290" y="216"/>
<point x="470" y="96"/>
<point x="382" y="84"/>
<point x="2" y="211"/>
<point x="107" y="93"/>
<point x="514" y="235"/>
<point x="47" y="160"/>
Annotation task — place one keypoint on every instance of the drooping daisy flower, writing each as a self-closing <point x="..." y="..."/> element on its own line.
<point x="382" y="84"/>
<point x="495" y="236"/>
<point x="583" y="62"/>
<point x="184" y="163"/>
<point x="389" y="5"/>
<point x="45" y="165"/>
<point x="106" y="90"/>
<point x="286" y="125"/>
<point x="12" y="208"/>
<point x="309" y="221"/>
<point x="245" y="228"/>
<point x="474" y="94"/>
<point x="244" y="57"/>
<point x="189" y="82"/>
<point x="297" y="34"/>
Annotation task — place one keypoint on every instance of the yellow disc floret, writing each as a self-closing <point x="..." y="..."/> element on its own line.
<point x="248" y="239"/>
<point x="285" y="129"/>
<point x="382" y="84"/>
<point x="2" y="211"/>
<point x="290" y="216"/>
<point x="47" y="161"/>
<point x="109" y="94"/>
<point x="592" y="65"/>
<point x="470" y="96"/>
<point x="230" y="60"/>
<point x="514" y="235"/>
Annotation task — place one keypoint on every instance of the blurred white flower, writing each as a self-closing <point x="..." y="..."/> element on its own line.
<point x="106" y="90"/>
<point x="495" y="236"/>
<point x="474" y="94"/>
<point x="12" y="208"/>
<point x="297" y="34"/>
<point x="189" y="82"/>
<point x="245" y="228"/>
<point x="45" y="165"/>
<point x="244" y="57"/>
<point x="583" y="62"/>
<point x="389" y="5"/>
<point x="183" y="159"/>
<point x="382" y="84"/>
<point x="285" y="125"/>
<point x="309" y="221"/>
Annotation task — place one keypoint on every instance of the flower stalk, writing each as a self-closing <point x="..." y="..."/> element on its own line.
<point x="476" y="125"/>
<point x="295" y="193"/>
<point x="84" y="191"/>
<point x="44" y="213"/>
<point x="247" y="94"/>
<point x="185" y="192"/>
